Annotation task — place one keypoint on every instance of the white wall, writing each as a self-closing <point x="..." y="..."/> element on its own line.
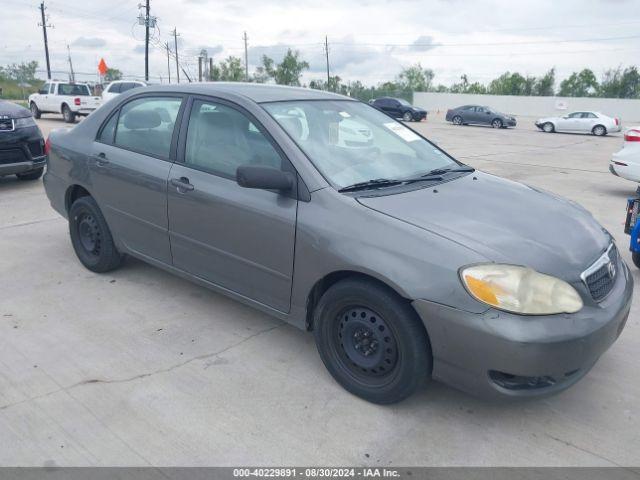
<point x="627" y="110"/>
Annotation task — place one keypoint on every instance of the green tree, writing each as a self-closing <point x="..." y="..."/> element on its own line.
<point x="545" y="85"/>
<point x="415" y="78"/>
<point x="618" y="83"/>
<point x="465" y="87"/>
<point x="579" y="84"/>
<point x="512" y="84"/>
<point x="287" y="72"/>
<point x="21" y="72"/>
<point x="229" y="70"/>
<point x="112" y="74"/>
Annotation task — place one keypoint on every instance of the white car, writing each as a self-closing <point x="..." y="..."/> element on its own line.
<point x="117" y="87"/>
<point x="626" y="162"/>
<point x="580" y="122"/>
<point x="69" y="99"/>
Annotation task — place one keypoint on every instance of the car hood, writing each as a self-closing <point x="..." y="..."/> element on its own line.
<point x="503" y="221"/>
<point x="13" y="110"/>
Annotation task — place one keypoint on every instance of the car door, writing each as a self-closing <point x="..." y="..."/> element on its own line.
<point x="237" y="238"/>
<point x="43" y="97"/>
<point x="129" y="168"/>
<point x="477" y="115"/>
<point x="569" y="123"/>
<point x="587" y="121"/>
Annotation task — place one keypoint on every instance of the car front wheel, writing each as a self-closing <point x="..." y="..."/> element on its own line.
<point x="457" y="120"/>
<point x="35" y="111"/>
<point x="372" y="341"/>
<point x="496" y="123"/>
<point x="407" y="117"/>
<point x="548" y="127"/>
<point x="91" y="238"/>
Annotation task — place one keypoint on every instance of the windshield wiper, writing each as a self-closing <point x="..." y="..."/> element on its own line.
<point x="440" y="171"/>
<point x="376" y="182"/>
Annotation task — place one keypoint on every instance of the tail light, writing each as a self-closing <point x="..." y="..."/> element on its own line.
<point x="617" y="121"/>
<point x="47" y="146"/>
<point x="76" y="101"/>
<point x="632" y="135"/>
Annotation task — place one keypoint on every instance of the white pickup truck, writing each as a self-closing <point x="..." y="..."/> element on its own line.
<point x="69" y="99"/>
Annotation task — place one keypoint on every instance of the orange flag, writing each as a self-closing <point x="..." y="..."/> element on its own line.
<point x="102" y="67"/>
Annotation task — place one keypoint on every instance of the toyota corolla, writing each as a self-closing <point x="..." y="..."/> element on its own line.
<point x="405" y="263"/>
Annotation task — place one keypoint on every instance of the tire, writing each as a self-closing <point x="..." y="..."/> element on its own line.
<point x="91" y="238"/>
<point x="35" y="111"/>
<point x="599" y="131"/>
<point x="68" y="115"/>
<point x="548" y="127"/>
<point x="457" y="120"/>
<point x="352" y="320"/>
<point x="407" y="117"/>
<point x="497" y="123"/>
<point x="32" y="175"/>
<point x="635" y="256"/>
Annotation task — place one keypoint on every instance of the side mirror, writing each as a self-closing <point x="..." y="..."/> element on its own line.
<point x="265" y="178"/>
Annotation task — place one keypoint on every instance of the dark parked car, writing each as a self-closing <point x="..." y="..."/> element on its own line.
<point x="21" y="143"/>
<point x="479" y="115"/>
<point x="405" y="263"/>
<point x="399" y="108"/>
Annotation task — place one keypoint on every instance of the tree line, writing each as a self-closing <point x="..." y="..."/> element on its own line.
<point x="614" y="83"/>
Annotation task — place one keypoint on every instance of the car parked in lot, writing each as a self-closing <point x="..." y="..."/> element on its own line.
<point x="479" y="115"/>
<point x="626" y="162"/>
<point x="580" y="122"/>
<point x="21" y="143"/>
<point x="405" y="263"/>
<point x="117" y="87"/>
<point x="69" y="99"/>
<point x="399" y="108"/>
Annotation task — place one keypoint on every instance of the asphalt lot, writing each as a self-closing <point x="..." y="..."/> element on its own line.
<point x="139" y="367"/>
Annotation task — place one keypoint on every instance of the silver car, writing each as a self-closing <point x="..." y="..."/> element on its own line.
<point x="405" y="263"/>
<point x="580" y="122"/>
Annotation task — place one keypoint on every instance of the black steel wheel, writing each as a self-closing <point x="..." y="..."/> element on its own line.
<point x="91" y="238"/>
<point x="371" y="341"/>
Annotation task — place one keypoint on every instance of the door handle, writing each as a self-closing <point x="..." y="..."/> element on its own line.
<point x="101" y="159"/>
<point x="182" y="184"/>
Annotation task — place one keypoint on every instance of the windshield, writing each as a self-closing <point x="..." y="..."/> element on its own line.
<point x="73" y="89"/>
<point x="350" y="142"/>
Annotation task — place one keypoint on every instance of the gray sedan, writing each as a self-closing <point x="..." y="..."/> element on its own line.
<point x="405" y="263"/>
<point x="479" y="115"/>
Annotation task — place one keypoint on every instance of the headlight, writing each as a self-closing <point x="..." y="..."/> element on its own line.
<point x="24" y="122"/>
<point x="520" y="290"/>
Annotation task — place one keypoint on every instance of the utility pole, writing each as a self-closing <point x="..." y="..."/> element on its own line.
<point x="246" y="58"/>
<point x="210" y="69"/>
<point x="72" y="76"/>
<point x="326" y="50"/>
<point x="175" y="44"/>
<point x="146" y="42"/>
<point x="168" y="56"/>
<point x="200" y="68"/>
<point x="46" y="42"/>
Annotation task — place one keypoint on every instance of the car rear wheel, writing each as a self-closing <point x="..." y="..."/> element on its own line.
<point x="91" y="238"/>
<point x="371" y="341"/>
<point x="457" y="120"/>
<point x="496" y="123"/>
<point x="68" y="115"/>
<point x="548" y="127"/>
<point x="407" y="117"/>
<point x="35" y="111"/>
<point x="32" y="175"/>
<point x="599" y="131"/>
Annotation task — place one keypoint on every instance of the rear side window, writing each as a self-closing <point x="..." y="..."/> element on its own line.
<point x="146" y="125"/>
<point x="115" y="88"/>
<point x="108" y="130"/>
<point x="129" y="86"/>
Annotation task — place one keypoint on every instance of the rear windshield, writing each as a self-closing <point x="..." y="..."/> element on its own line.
<point x="72" y="89"/>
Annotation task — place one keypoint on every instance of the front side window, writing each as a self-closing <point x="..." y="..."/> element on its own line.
<point x="146" y="125"/>
<point x="575" y="115"/>
<point x="221" y="138"/>
<point x="350" y="142"/>
<point x="72" y="89"/>
<point x="45" y="89"/>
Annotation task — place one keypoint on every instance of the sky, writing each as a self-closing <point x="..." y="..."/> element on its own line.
<point x="369" y="40"/>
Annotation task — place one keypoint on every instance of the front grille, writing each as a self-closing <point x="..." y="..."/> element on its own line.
<point x="36" y="148"/>
<point x="6" y="125"/>
<point x="12" y="155"/>
<point x="601" y="276"/>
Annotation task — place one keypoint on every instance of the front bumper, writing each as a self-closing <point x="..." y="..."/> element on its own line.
<point x="498" y="354"/>
<point x="21" y="151"/>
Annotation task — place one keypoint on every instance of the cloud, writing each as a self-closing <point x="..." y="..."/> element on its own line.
<point x="89" y="42"/>
<point x="423" y="43"/>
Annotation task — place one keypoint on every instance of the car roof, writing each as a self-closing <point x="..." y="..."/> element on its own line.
<point x="127" y="81"/>
<point x="257" y="92"/>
